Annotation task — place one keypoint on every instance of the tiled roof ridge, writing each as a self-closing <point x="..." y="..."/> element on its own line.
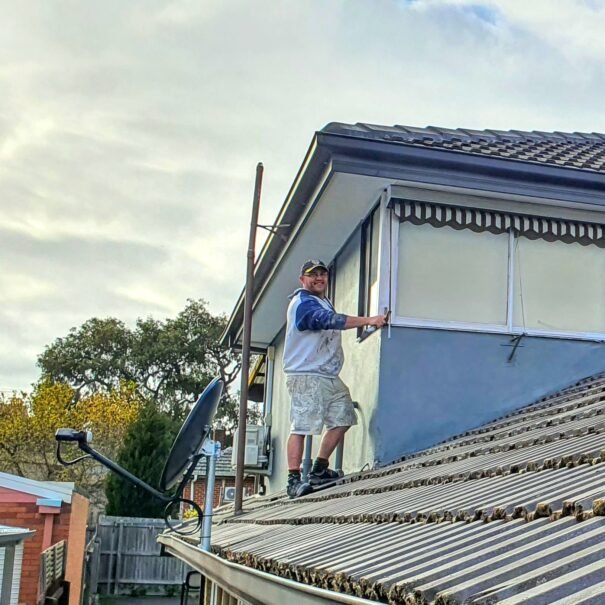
<point x="481" y="136"/>
<point x="576" y="150"/>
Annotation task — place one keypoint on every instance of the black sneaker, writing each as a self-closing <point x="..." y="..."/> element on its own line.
<point x="326" y="476"/>
<point x="297" y="487"/>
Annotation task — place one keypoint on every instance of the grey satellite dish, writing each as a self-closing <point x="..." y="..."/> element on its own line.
<point x="181" y="461"/>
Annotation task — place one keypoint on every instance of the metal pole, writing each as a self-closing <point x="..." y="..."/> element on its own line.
<point x="243" y="405"/>
<point x="306" y="469"/>
<point x="339" y="453"/>
<point x="205" y="542"/>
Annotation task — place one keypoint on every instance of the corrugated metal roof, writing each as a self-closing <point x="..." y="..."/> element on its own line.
<point x="57" y="490"/>
<point x="585" y="151"/>
<point x="512" y="512"/>
<point x="12" y="535"/>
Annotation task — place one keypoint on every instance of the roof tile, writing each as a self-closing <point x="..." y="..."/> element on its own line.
<point x="581" y="150"/>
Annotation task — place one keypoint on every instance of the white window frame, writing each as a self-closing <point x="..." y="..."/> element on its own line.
<point x="389" y="263"/>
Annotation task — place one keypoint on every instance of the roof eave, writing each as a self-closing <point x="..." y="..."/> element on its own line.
<point x="285" y="224"/>
<point x="368" y="151"/>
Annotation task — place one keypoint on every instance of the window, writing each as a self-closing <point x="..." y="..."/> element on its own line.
<point x="559" y="287"/>
<point x="471" y="268"/>
<point x="331" y="293"/>
<point x="452" y="275"/>
<point x="368" y="279"/>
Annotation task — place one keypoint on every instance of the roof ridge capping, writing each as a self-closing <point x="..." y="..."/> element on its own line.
<point x="368" y="130"/>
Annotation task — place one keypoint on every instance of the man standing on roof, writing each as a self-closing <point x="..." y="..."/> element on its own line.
<point x="313" y="358"/>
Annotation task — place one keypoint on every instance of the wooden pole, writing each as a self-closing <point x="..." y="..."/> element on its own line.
<point x="243" y="405"/>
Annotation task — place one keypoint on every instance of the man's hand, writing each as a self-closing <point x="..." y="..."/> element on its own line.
<point x="377" y="320"/>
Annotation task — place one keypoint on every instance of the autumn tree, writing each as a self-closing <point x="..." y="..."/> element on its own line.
<point x="144" y="452"/>
<point x="170" y="361"/>
<point x="28" y="424"/>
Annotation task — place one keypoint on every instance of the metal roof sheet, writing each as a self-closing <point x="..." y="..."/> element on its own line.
<point x="57" y="490"/>
<point x="511" y="512"/>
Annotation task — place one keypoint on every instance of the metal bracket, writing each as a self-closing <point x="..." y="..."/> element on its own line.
<point x="515" y="343"/>
<point x="273" y="229"/>
<point x="211" y="448"/>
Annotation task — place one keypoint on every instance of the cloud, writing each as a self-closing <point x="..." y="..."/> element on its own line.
<point x="130" y="132"/>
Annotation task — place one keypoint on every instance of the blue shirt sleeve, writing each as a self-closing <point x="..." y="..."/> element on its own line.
<point x="310" y="315"/>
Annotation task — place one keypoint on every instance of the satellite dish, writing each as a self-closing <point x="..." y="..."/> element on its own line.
<point x="193" y="433"/>
<point x="181" y="462"/>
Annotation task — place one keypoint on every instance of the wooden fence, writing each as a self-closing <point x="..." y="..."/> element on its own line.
<point x="52" y="574"/>
<point x="124" y="558"/>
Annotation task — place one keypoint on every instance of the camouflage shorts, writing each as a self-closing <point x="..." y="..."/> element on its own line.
<point x="317" y="401"/>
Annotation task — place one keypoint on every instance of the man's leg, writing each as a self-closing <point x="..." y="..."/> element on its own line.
<point x="330" y="440"/>
<point x="296" y="487"/>
<point x="320" y="473"/>
<point x="340" y="415"/>
<point x="296" y="444"/>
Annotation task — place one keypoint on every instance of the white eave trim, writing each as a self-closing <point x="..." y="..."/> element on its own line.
<point x="256" y="587"/>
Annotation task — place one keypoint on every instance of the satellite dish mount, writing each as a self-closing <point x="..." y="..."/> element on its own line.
<point x="191" y="444"/>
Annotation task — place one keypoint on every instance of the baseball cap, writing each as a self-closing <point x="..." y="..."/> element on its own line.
<point x="310" y="265"/>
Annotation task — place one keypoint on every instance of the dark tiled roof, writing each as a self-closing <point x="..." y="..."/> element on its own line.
<point x="223" y="465"/>
<point x="513" y="512"/>
<point x="585" y="151"/>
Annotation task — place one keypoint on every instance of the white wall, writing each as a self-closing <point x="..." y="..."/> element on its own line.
<point x="16" y="581"/>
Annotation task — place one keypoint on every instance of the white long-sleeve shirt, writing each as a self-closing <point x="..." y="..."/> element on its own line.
<point x="313" y="336"/>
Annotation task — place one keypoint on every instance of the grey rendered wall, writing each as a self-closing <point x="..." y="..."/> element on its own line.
<point x="360" y="372"/>
<point x="435" y="384"/>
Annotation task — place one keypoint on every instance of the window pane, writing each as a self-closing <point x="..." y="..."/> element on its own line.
<point x="368" y="296"/>
<point x="559" y="286"/>
<point x="451" y="275"/>
<point x="373" y="264"/>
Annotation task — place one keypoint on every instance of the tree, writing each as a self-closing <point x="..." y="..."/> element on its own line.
<point x="170" y="361"/>
<point x="28" y="424"/>
<point x="146" y="447"/>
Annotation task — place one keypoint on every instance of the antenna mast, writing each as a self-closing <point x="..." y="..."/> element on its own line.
<point x="243" y="406"/>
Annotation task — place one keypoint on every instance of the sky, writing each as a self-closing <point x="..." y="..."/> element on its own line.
<point x="130" y="131"/>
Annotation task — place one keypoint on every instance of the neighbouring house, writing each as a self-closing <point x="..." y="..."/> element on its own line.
<point x="224" y="483"/>
<point x="488" y="249"/>
<point x="54" y="512"/>
<point x="11" y="562"/>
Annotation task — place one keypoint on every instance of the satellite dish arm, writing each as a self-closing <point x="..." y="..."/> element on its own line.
<point x="81" y="439"/>
<point x="116" y="468"/>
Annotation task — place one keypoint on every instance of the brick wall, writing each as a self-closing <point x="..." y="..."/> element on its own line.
<point x="27" y="515"/>
<point x="219" y="486"/>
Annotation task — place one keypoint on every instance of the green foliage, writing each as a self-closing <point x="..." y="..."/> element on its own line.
<point x="170" y="361"/>
<point x="145" y="449"/>
<point x="28" y="424"/>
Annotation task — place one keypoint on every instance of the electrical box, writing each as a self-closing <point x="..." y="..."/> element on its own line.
<point x="255" y="455"/>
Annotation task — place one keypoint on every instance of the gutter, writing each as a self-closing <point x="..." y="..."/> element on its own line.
<point x="256" y="587"/>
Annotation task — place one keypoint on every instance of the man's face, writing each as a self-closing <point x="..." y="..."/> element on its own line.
<point x="315" y="282"/>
